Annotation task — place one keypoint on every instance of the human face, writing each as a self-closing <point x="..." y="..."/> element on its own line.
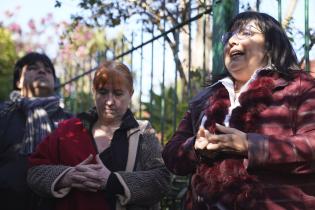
<point x="112" y="102"/>
<point x="244" y="52"/>
<point x="36" y="80"/>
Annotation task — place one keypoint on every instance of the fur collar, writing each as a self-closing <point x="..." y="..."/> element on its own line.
<point x="252" y="102"/>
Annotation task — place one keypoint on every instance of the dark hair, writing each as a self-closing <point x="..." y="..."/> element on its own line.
<point x="277" y="43"/>
<point x="29" y="59"/>
<point x="113" y="72"/>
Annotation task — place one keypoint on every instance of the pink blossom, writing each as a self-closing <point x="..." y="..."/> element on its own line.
<point x="43" y="21"/>
<point x="31" y="25"/>
<point x="8" y="13"/>
<point x="16" y="28"/>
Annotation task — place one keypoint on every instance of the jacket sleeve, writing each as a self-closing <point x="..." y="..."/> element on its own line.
<point x="43" y="166"/>
<point x="179" y="153"/>
<point x="292" y="153"/>
<point x="151" y="180"/>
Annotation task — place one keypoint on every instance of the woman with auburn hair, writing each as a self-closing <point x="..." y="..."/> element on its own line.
<point x="104" y="159"/>
<point x="248" y="139"/>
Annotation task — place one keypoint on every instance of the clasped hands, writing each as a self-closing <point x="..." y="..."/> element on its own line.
<point x="231" y="140"/>
<point x="86" y="176"/>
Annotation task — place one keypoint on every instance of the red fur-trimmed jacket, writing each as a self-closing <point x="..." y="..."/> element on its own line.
<point x="278" y="115"/>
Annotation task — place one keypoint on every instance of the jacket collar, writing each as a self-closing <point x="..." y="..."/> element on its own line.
<point x="90" y="117"/>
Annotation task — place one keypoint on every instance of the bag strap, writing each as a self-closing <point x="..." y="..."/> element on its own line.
<point x="134" y="136"/>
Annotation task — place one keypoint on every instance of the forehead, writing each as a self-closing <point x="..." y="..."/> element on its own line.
<point x="241" y="24"/>
<point x="37" y="63"/>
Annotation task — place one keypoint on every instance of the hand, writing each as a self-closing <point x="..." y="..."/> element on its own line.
<point x="95" y="174"/>
<point x="232" y="140"/>
<point x="202" y="139"/>
<point x="74" y="178"/>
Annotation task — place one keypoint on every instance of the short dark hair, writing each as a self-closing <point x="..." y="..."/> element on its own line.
<point x="277" y="43"/>
<point x="29" y="59"/>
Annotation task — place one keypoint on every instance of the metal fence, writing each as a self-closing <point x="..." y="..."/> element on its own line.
<point x="162" y="71"/>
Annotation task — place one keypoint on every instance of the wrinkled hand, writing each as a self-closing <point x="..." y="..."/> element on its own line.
<point x="96" y="174"/>
<point x="232" y="140"/>
<point x="76" y="179"/>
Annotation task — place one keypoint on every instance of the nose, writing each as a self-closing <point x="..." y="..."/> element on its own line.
<point x="233" y="40"/>
<point x="110" y="99"/>
<point x="42" y="70"/>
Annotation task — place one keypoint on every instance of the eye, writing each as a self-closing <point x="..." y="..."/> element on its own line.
<point x="245" y="33"/>
<point x="118" y="93"/>
<point x="102" y="91"/>
<point x="32" y="67"/>
<point x="47" y="68"/>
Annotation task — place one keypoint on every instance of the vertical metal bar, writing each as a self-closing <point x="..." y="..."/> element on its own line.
<point x="223" y="12"/>
<point x="204" y="31"/>
<point x="114" y="46"/>
<point x="131" y="54"/>
<point x="122" y="48"/>
<point x="258" y="5"/>
<point x="162" y="120"/>
<point x="141" y="71"/>
<point x="175" y="79"/>
<point x="280" y="12"/>
<point x="131" y="57"/>
<point x="189" y="50"/>
<point x="90" y="86"/>
<point x="151" y="76"/>
<point x="307" y="36"/>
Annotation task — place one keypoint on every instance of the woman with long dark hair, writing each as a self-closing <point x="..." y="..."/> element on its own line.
<point x="248" y="139"/>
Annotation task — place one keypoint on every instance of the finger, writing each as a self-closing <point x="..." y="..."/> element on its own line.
<point x="89" y="167"/>
<point x="201" y="143"/>
<point x="83" y="187"/>
<point x="87" y="160"/>
<point x="213" y="146"/>
<point x="92" y="185"/>
<point x="82" y="168"/>
<point x="92" y="175"/>
<point x="78" y="178"/>
<point x="98" y="159"/>
<point x="213" y="138"/>
<point x="207" y="134"/>
<point x="225" y="130"/>
<point x="201" y="132"/>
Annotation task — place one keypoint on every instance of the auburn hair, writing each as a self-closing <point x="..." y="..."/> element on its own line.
<point x="114" y="73"/>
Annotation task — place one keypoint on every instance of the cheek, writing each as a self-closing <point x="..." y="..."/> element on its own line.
<point x="99" y="102"/>
<point x="226" y="58"/>
<point x="125" y="102"/>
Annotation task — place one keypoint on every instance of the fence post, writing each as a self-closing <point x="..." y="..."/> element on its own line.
<point x="223" y="12"/>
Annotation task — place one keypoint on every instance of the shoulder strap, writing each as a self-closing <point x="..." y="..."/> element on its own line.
<point x="133" y="136"/>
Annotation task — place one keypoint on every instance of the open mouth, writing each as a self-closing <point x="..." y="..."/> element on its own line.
<point x="236" y="53"/>
<point x="41" y="78"/>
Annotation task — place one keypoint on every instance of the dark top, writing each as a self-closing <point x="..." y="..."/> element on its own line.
<point x="14" y="192"/>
